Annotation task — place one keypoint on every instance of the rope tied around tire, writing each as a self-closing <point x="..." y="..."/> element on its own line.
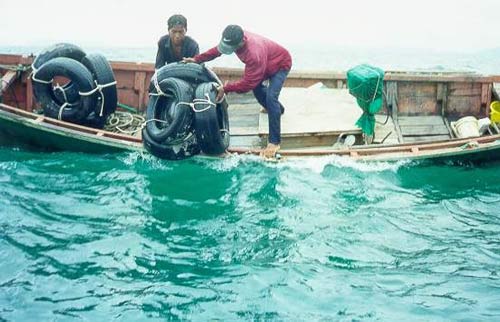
<point x="98" y="88"/>
<point x="59" y="87"/>
<point x="33" y="78"/>
<point x="159" y="92"/>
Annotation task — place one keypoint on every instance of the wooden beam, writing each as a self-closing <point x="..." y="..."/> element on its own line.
<point x="486" y="97"/>
<point x="139" y="86"/>
<point x="7" y="80"/>
<point x="29" y="94"/>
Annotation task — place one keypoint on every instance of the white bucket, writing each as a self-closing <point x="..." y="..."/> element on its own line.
<point x="466" y="127"/>
<point x="483" y="125"/>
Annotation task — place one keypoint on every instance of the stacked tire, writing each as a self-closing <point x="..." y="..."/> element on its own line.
<point x="88" y="98"/>
<point x="182" y="117"/>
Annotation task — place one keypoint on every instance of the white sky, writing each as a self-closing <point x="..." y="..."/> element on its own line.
<point x="438" y="24"/>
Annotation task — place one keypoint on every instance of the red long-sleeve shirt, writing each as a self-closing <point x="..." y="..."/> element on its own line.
<point x="262" y="58"/>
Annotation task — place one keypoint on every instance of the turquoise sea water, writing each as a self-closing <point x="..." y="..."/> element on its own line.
<point x="131" y="237"/>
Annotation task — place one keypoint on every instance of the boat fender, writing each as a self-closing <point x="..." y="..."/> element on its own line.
<point x="79" y="76"/>
<point x="107" y="96"/>
<point x="190" y="72"/>
<point x="211" y="121"/>
<point x="169" y="115"/>
<point x="175" y="151"/>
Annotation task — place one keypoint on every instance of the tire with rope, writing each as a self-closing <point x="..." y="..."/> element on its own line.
<point x="79" y="75"/>
<point x="189" y="72"/>
<point x="107" y="97"/>
<point x="169" y="115"/>
<point x="211" y="121"/>
<point x="58" y="50"/>
<point x="65" y="93"/>
<point x="174" y="151"/>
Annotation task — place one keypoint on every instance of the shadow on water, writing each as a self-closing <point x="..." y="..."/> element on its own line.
<point x="439" y="182"/>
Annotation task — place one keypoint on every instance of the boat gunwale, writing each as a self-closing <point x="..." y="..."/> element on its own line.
<point x="410" y="150"/>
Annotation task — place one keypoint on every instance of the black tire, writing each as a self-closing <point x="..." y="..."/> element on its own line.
<point x="102" y="73"/>
<point x="66" y="93"/>
<point x="179" y="151"/>
<point x="55" y="51"/>
<point x="58" y="50"/>
<point x="176" y="119"/>
<point x="79" y="76"/>
<point x="95" y="121"/>
<point x="190" y="72"/>
<point x="211" y="123"/>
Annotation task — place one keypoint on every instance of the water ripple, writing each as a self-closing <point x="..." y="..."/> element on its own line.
<point x="131" y="237"/>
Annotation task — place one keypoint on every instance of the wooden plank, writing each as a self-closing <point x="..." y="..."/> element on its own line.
<point x="448" y="126"/>
<point x="415" y="89"/>
<point x="412" y="139"/>
<point x="29" y="95"/>
<point x="139" y="86"/>
<point x="128" y="97"/>
<point x="424" y="130"/>
<point x="7" y="79"/>
<point x="459" y="106"/>
<point x="420" y="120"/>
<point x="486" y="98"/>
<point x="464" y="89"/>
<point x="241" y="130"/>
<point x="443" y="99"/>
<point x="246" y="141"/>
<point x="124" y="79"/>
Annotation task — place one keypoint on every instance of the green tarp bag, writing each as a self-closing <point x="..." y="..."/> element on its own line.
<point x="366" y="84"/>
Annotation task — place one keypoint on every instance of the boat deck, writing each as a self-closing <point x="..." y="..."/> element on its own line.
<point x="315" y="116"/>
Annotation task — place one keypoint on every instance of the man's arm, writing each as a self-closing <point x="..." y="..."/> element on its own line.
<point x="254" y="74"/>
<point x="209" y="55"/>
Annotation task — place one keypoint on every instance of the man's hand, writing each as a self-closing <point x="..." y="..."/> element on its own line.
<point x="188" y="60"/>
<point x="270" y="151"/>
<point x="220" y="94"/>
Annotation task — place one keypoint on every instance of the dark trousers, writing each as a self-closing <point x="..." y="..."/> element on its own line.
<point x="267" y="96"/>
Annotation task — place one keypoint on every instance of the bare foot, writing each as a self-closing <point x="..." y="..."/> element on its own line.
<point x="270" y="151"/>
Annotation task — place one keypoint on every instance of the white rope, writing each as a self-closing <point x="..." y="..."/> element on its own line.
<point x="59" y="115"/>
<point x="59" y="87"/>
<point x="157" y="85"/>
<point x="99" y="88"/>
<point x="33" y="77"/>
<point x="151" y="120"/>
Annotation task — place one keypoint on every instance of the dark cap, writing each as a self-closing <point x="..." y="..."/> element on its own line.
<point x="177" y="20"/>
<point x="232" y="37"/>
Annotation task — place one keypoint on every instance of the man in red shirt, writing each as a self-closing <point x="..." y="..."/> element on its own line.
<point x="264" y="60"/>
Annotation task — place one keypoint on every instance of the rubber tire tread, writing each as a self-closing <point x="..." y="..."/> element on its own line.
<point x="190" y="72"/>
<point x="79" y="76"/>
<point x="58" y="50"/>
<point x="183" y="150"/>
<point x="182" y="116"/>
<point x="209" y="123"/>
<point x="102" y="72"/>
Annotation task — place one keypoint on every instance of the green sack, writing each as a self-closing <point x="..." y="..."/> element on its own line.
<point x="366" y="84"/>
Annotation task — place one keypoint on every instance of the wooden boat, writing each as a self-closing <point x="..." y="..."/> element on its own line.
<point x="415" y="123"/>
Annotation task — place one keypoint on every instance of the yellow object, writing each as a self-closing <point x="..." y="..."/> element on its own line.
<point x="495" y="111"/>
